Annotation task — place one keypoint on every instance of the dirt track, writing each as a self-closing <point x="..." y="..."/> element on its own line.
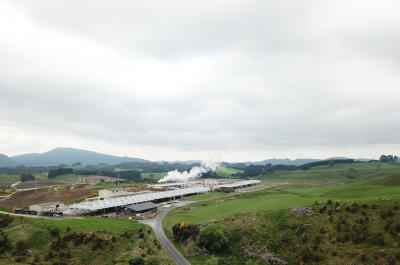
<point x="32" y="184"/>
<point x="44" y="195"/>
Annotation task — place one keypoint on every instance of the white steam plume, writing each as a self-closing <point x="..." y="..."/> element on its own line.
<point x="195" y="172"/>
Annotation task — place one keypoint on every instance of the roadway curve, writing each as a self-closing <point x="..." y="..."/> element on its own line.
<point x="156" y="224"/>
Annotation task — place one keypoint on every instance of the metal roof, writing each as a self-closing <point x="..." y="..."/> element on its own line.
<point x="49" y="203"/>
<point x="239" y="184"/>
<point x="142" y="206"/>
<point x="122" y="201"/>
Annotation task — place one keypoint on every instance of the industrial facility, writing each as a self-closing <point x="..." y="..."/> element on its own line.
<point x="118" y="203"/>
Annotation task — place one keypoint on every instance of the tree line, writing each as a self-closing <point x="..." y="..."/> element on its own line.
<point x="59" y="171"/>
<point x="127" y="174"/>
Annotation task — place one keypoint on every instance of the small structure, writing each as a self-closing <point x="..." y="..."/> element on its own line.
<point x="112" y="192"/>
<point x="141" y="208"/>
<point x="47" y="207"/>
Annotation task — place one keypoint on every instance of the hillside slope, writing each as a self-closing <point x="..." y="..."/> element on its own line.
<point x="5" y="161"/>
<point x="69" y="156"/>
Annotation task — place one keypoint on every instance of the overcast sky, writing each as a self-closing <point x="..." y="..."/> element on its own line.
<point x="178" y="80"/>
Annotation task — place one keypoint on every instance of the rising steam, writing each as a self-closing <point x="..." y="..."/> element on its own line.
<point x="195" y="172"/>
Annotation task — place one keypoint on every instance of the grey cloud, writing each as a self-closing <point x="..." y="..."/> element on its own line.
<point x="244" y="77"/>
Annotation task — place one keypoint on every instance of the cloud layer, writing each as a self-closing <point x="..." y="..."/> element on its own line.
<point x="243" y="80"/>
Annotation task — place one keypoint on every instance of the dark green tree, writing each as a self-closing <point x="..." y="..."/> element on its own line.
<point x="212" y="238"/>
<point x="27" y="176"/>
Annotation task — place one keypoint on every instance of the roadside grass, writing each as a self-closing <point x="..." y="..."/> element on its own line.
<point x="226" y="172"/>
<point x="5" y="209"/>
<point x="156" y="175"/>
<point x="259" y="188"/>
<point x="9" y="178"/>
<point x="208" y="196"/>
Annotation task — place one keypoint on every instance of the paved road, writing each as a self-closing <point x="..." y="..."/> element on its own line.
<point x="156" y="224"/>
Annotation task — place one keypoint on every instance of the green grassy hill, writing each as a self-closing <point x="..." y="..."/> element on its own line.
<point x="227" y="172"/>
<point x="339" y="173"/>
<point x="364" y="230"/>
<point x="89" y="241"/>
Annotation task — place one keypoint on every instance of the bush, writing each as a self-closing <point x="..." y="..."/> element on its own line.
<point x="212" y="237"/>
<point x="20" y="246"/>
<point x="27" y="177"/>
<point x="329" y="202"/>
<point x="54" y="231"/>
<point x="49" y="256"/>
<point x="68" y="229"/>
<point x="113" y="239"/>
<point x="141" y="235"/>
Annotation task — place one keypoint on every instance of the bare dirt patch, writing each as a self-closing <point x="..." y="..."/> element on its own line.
<point x="32" y="184"/>
<point x="30" y="197"/>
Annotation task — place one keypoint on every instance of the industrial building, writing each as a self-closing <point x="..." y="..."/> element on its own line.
<point x="240" y="184"/>
<point x="142" y="208"/>
<point x="116" y="203"/>
<point x="47" y="207"/>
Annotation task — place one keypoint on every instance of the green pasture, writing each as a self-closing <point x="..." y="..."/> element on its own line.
<point x="226" y="172"/>
<point x="9" y="178"/>
<point x="67" y="177"/>
<point x="293" y="197"/>
<point x="156" y="175"/>
<point x="266" y="202"/>
<point x="364" y="192"/>
<point x="209" y="196"/>
<point x="86" y="224"/>
<point x="104" y="186"/>
<point x="339" y="173"/>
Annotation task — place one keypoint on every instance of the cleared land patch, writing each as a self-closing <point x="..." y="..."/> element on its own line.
<point x="30" y="197"/>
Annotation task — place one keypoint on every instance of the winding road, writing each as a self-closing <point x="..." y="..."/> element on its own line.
<point x="156" y="224"/>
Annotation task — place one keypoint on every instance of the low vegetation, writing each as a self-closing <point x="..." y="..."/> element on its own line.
<point x="80" y="241"/>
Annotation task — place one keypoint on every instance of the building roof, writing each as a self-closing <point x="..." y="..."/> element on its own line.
<point x="49" y="203"/>
<point x="142" y="206"/>
<point x="116" y="189"/>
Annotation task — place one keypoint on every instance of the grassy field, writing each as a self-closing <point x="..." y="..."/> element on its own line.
<point x="226" y="172"/>
<point x="9" y="178"/>
<point x="339" y="173"/>
<point x="156" y="175"/>
<point x="366" y="223"/>
<point x="209" y="196"/>
<point x="104" y="186"/>
<point x="289" y="198"/>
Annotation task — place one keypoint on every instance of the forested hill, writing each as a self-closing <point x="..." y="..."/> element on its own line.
<point x="70" y="156"/>
<point x="5" y="161"/>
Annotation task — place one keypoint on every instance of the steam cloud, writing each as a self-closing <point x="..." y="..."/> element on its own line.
<point x="195" y="172"/>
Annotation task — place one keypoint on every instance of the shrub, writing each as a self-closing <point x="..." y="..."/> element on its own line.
<point x="373" y="206"/>
<point x="364" y="206"/>
<point x="49" y="256"/>
<point x="337" y="204"/>
<point x="212" y="238"/>
<point x="68" y="229"/>
<point x="141" y="235"/>
<point x="54" y="231"/>
<point x="148" y="232"/>
<point x="329" y="202"/>
<point x="363" y="258"/>
<point x="316" y="203"/>
<point x="36" y="258"/>
<point x="389" y="213"/>
<point x="397" y="255"/>
<point x="20" y="246"/>
<point x="113" y="239"/>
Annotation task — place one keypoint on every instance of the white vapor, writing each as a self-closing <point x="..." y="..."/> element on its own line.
<point x="195" y="172"/>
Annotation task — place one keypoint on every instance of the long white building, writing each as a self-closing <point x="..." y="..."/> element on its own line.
<point x="88" y="208"/>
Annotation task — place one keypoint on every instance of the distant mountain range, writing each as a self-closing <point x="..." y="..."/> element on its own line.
<point x="70" y="156"/>
<point x="64" y="156"/>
